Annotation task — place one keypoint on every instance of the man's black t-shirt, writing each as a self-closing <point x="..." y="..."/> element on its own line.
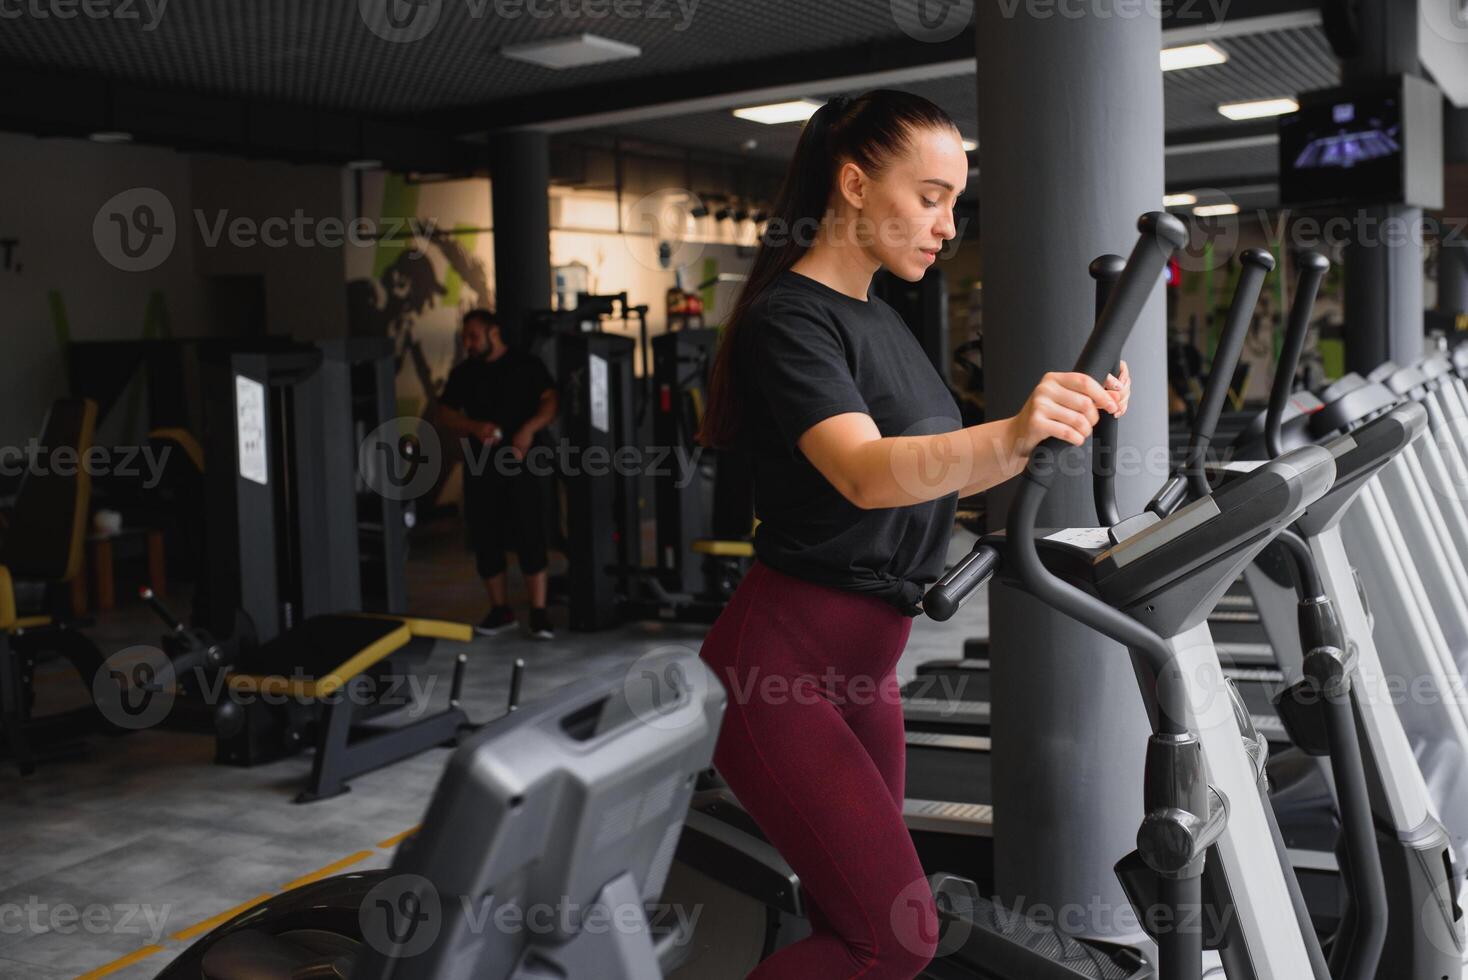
<point x="505" y="391"/>
<point x="811" y="352"/>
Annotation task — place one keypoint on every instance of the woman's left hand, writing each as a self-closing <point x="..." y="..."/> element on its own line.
<point x="1122" y="386"/>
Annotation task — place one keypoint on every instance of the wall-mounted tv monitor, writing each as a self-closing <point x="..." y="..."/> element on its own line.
<point x="1364" y="144"/>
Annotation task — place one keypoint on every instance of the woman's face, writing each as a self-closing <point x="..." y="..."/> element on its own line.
<point x="907" y="212"/>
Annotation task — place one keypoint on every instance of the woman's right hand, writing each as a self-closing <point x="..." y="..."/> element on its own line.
<point x="1064" y="405"/>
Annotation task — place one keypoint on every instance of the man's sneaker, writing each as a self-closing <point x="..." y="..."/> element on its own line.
<point x="500" y="618"/>
<point x="540" y="625"/>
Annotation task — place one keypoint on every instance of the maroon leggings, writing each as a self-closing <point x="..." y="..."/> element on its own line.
<point x="812" y="745"/>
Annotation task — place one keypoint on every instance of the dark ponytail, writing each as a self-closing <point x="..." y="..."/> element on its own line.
<point x="869" y="131"/>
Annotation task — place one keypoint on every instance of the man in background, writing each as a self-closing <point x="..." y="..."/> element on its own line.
<point x="499" y="399"/>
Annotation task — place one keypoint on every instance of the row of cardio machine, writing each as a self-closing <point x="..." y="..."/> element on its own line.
<point x="1342" y="677"/>
<point x="597" y="802"/>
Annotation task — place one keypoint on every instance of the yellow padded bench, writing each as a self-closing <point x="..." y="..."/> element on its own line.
<point x="723" y="549"/>
<point x="332" y="676"/>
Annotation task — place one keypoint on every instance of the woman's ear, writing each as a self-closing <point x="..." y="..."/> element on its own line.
<point x="851" y="183"/>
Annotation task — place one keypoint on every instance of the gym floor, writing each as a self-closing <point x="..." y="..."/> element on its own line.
<point x="189" y="843"/>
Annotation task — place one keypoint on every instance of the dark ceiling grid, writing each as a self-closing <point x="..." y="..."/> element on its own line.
<point x="1214" y="168"/>
<point x="722" y="130"/>
<point x="321" y="53"/>
<point x="1260" y="66"/>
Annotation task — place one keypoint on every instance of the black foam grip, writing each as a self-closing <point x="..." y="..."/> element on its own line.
<point x="949" y="593"/>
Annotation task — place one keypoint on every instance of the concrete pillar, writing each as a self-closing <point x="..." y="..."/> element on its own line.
<point x="1384" y="283"/>
<point x="520" y="183"/>
<point x="1070" y="130"/>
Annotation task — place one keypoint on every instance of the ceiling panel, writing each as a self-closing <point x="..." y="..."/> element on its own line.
<point x="324" y="53"/>
<point x="342" y="55"/>
<point x="1260" y="66"/>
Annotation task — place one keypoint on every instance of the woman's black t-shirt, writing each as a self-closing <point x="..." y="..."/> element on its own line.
<point x="809" y="352"/>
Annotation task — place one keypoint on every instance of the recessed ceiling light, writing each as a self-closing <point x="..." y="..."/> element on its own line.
<point x="110" y="136"/>
<point x="970" y="146"/>
<point x="1259" y="108"/>
<point x="779" y="112"/>
<point x="576" y="51"/>
<point x="1178" y="200"/>
<point x="1215" y="210"/>
<point x="1192" y="56"/>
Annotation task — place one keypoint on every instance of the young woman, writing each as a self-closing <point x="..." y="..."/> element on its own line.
<point x="858" y="460"/>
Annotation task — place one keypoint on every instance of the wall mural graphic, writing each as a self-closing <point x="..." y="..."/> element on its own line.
<point x="420" y="283"/>
<point x="407" y="291"/>
<point x="416" y="283"/>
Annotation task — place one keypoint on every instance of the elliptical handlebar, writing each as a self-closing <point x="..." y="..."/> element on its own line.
<point x="947" y="595"/>
<point x="1160" y="234"/>
<point x="1255" y="264"/>
<point x="1313" y="267"/>
<point x="1105" y="270"/>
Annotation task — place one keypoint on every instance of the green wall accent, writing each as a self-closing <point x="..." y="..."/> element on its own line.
<point x="709" y="293"/>
<point x="1333" y="358"/>
<point x="155" y="318"/>
<point x="399" y="200"/>
<point x="452" y="281"/>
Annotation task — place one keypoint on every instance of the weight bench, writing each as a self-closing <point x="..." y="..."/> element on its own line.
<point x="42" y="546"/>
<point x="22" y="640"/>
<point x="334" y="678"/>
<point x="723" y="549"/>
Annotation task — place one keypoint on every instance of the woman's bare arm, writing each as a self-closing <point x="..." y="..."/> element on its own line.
<point x="876" y="472"/>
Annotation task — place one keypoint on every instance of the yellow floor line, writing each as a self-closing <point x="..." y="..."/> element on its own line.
<point x="126" y="961"/>
<point x="392" y="842"/>
<point x="199" y="928"/>
<point x="328" y="871"/>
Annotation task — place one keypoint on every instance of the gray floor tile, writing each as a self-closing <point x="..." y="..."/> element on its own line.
<point x="147" y="821"/>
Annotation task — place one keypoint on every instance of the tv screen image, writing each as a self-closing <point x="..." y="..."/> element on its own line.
<point x="1346" y="149"/>
<point x="1355" y="141"/>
